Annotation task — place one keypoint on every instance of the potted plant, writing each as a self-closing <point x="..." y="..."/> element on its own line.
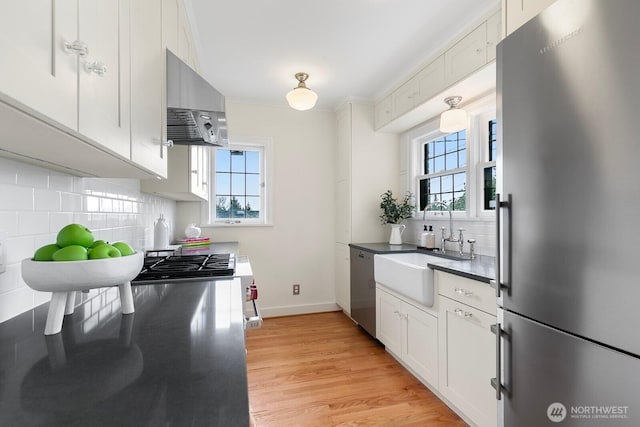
<point x="394" y="212"/>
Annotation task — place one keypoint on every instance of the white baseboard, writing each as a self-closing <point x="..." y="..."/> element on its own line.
<point x="292" y="310"/>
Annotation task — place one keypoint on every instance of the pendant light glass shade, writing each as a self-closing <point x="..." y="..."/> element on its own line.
<point x="302" y="98"/>
<point x="454" y="119"/>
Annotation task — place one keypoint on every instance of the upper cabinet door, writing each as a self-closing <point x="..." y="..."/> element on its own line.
<point x="494" y="35"/>
<point x="104" y="74"/>
<point x="519" y="12"/>
<point x="466" y="56"/>
<point x="147" y="72"/>
<point x="430" y="80"/>
<point x="36" y="70"/>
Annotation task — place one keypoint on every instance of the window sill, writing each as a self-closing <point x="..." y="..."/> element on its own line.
<point x="241" y="224"/>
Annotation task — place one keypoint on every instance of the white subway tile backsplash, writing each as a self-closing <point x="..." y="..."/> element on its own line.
<point x="61" y="182"/>
<point x="71" y="202"/>
<point x="9" y="222"/>
<point x="57" y="220"/>
<point x="9" y="279"/>
<point x="8" y="172"/>
<point x="32" y="223"/>
<point x="16" y="198"/>
<point x="46" y="200"/>
<point x="33" y="176"/>
<point x="15" y="302"/>
<point x="35" y="203"/>
<point x="19" y="248"/>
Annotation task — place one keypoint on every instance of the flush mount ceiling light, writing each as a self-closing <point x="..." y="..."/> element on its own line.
<point x="454" y="119"/>
<point x="302" y="98"/>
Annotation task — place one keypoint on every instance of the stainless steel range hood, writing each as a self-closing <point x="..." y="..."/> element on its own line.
<point x="195" y="109"/>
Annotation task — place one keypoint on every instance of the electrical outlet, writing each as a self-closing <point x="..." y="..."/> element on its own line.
<point x="296" y="289"/>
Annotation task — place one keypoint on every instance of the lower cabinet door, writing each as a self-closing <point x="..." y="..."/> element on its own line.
<point x="467" y="356"/>
<point x="420" y="351"/>
<point x="389" y="322"/>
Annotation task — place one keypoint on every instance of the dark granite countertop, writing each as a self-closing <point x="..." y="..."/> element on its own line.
<point x="179" y="360"/>
<point x="481" y="268"/>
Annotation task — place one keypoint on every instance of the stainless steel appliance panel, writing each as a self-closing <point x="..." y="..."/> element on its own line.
<point x="542" y="366"/>
<point x="568" y="89"/>
<point x="363" y="290"/>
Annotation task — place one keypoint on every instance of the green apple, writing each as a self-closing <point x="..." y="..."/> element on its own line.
<point x="74" y="234"/>
<point x="98" y="243"/>
<point x="70" y="253"/>
<point x="124" y="248"/>
<point x="45" y="253"/>
<point x="104" y="251"/>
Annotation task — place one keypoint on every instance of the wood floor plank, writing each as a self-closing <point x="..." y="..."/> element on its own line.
<point x="321" y="370"/>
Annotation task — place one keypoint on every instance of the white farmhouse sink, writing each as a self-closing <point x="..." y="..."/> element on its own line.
<point x="407" y="274"/>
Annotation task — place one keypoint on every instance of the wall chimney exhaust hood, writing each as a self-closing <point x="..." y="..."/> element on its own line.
<point x="195" y="109"/>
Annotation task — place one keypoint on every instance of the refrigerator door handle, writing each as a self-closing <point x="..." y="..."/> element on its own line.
<point x="498" y="284"/>
<point x="496" y="382"/>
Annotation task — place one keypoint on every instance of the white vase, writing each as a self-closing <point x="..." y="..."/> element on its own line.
<point x="396" y="234"/>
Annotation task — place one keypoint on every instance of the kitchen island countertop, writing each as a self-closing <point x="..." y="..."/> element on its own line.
<point x="179" y="360"/>
<point x="481" y="268"/>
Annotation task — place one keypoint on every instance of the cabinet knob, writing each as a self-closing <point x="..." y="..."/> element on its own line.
<point x="97" y="67"/>
<point x="168" y="143"/>
<point x="76" y="47"/>
<point x="479" y="50"/>
<point x="194" y="171"/>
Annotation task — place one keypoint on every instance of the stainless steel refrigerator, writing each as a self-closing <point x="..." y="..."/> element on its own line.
<point x="568" y="333"/>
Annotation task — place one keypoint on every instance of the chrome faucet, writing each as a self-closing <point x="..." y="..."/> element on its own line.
<point x="450" y="238"/>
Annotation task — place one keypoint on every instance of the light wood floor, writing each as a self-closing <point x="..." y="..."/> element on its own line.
<point x="322" y="370"/>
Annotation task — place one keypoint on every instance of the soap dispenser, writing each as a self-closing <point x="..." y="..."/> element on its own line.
<point x="430" y="238"/>
<point x="423" y="238"/>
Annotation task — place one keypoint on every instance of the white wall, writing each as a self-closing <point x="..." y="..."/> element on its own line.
<point x="35" y="203"/>
<point x="298" y="248"/>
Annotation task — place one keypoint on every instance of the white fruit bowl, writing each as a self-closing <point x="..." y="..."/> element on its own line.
<point x="64" y="278"/>
<point x="52" y="276"/>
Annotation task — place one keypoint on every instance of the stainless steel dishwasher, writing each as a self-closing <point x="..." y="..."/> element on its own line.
<point x="363" y="290"/>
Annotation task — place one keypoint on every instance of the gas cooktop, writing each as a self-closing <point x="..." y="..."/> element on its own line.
<point x="181" y="267"/>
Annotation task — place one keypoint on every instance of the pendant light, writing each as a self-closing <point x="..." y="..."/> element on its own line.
<point x="302" y="98"/>
<point x="454" y="119"/>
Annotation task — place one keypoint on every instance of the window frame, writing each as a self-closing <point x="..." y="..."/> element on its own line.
<point x="477" y="158"/>
<point x="265" y="147"/>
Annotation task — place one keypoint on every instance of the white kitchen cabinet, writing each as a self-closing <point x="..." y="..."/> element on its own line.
<point x="389" y="321"/>
<point x="147" y="70"/>
<point x="366" y="166"/>
<point x="403" y="98"/>
<point x="467" y="356"/>
<point x="457" y="62"/>
<point x="36" y="70"/>
<point x="74" y="110"/>
<point x="517" y="12"/>
<point x="383" y="112"/>
<point x="466" y="56"/>
<point x="104" y="90"/>
<point x="494" y="34"/>
<point x="187" y="175"/>
<point x="186" y="49"/>
<point x="430" y="80"/>
<point x="424" y="85"/>
<point x="410" y="333"/>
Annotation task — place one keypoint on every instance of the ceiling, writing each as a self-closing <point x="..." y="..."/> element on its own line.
<point x="358" y="49"/>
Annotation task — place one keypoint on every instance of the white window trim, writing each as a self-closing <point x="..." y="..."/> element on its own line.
<point x="429" y="130"/>
<point x="243" y="143"/>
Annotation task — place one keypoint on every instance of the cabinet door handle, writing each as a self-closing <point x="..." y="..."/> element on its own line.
<point x="498" y="283"/>
<point x="463" y="313"/>
<point x="76" y="47"/>
<point x="496" y="382"/>
<point x="194" y="171"/>
<point x="97" y="67"/>
<point x="463" y="292"/>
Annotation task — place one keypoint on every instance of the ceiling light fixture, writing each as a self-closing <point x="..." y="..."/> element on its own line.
<point x="301" y="97"/>
<point x="454" y="119"/>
